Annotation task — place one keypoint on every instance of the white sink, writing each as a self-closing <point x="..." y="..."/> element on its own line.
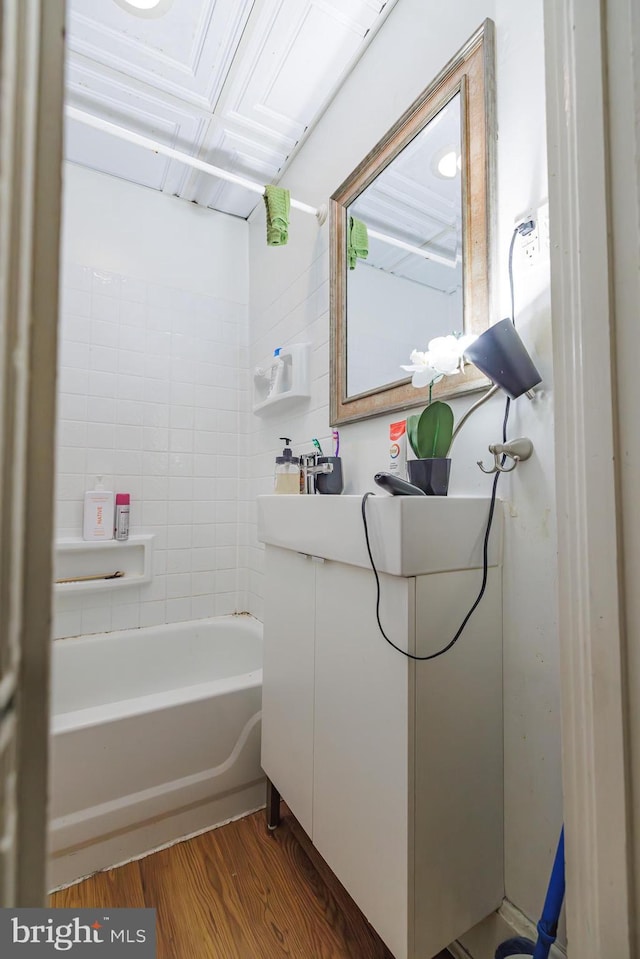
<point x="410" y="535"/>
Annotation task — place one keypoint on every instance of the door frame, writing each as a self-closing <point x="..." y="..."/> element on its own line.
<point x="595" y="742"/>
<point x="31" y="70"/>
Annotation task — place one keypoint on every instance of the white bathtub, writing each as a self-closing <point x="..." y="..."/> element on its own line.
<point x="156" y="736"/>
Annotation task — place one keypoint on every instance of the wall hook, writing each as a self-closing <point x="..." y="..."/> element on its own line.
<point x="517" y="450"/>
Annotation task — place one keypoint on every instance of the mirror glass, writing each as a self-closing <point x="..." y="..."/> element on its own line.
<point x="405" y="293"/>
<point x="425" y="195"/>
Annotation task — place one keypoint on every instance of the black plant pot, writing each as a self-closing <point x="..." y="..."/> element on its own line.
<point x="431" y="476"/>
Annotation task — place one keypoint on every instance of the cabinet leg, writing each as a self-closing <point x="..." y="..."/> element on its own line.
<point x="273" y="806"/>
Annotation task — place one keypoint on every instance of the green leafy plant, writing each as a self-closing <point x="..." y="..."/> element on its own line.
<point x="431" y="432"/>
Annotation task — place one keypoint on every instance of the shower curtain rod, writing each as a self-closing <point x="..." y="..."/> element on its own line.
<point x="123" y="134"/>
<point x="418" y="250"/>
<point x="320" y="213"/>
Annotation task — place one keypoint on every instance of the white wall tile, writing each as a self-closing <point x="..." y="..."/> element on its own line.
<point x="75" y="301"/>
<point x="178" y="585"/>
<point x="154" y="487"/>
<point x="179" y="610"/>
<point x="105" y="283"/>
<point x="207" y="535"/>
<point x="101" y="409"/>
<point x="73" y="381"/>
<point x="141" y="404"/>
<point x="102" y="384"/>
<point x="155" y="409"/>
<point x="180" y="537"/>
<point x="153" y="614"/>
<point x="103" y="333"/>
<point x="125" y="616"/>
<point x="132" y="312"/>
<point x="225" y="603"/>
<point x="179" y="560"/>
<point x="72" y="406"/>
<point x="129" y="413"/>
<point x="104" y="308"/>
<point x="76" y="277"/>
<point x="67" y="623"/>
<point x="203" y="583"/>
<point x="203" y="606"/>
<point x="71" y="433"/>
<point x="103" y="358"/>
<point x="180" y="511"/>
<point x="96" y="620"/>
<point x="204" y="511"/>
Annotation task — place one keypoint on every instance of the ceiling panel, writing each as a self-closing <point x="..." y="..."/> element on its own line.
<point x="186" y="52"/>
<point x="245" y="157"/>
<point x="281" y="80"/>
<point x="237" y="83"/>
<point x="97" y="90"/>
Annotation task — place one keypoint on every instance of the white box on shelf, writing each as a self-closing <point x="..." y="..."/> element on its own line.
<point x="293" y="384"/>
<point x="77" y="557"/>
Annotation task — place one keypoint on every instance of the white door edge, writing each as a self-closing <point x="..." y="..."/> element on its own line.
<point x="31" y="71"/>
<point x="594" y="746"/>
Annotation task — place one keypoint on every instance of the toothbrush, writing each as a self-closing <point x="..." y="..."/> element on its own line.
<point x="317" y="446"/>
<point x="336" y="440"/>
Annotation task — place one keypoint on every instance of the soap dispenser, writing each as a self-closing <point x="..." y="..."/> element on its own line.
<point x="276" y="374"/>
<point x="98" y="513"/>
<point x="287" y="475"/>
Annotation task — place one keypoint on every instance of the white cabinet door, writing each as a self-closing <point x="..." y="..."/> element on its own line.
<point x="361" y="760"/>
<point x="287" y="694"/>
<point x="458" y="758"/>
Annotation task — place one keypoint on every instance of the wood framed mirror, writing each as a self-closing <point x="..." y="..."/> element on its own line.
<point x="425" y="193"/>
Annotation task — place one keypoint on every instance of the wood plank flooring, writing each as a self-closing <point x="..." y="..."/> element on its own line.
<point x="239" y="892"/>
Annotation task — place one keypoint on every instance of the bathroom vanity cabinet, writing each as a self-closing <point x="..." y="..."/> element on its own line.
<point x="393" y="767"/>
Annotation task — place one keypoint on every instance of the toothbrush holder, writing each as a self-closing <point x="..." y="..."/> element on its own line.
<point x="330" y="483"/>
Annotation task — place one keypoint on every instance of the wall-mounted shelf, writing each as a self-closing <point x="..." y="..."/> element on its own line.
<point x="77" y="557"/>
<point x="295" y="382"/>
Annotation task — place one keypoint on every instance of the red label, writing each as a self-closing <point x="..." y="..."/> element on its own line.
<point x="396" y="430"/>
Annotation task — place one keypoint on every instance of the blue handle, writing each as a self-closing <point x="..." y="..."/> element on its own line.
<point x="548" y="925"/>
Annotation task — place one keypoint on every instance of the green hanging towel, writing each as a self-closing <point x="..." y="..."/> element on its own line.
<point x="277" y="201"/>
<point x="358" y="244"/>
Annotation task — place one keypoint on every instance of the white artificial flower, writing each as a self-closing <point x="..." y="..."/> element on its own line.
<point x="423" y="371"/>
<point x="443" y="357"/>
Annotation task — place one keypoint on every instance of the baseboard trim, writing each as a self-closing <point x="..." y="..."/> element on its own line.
<point x="482" y="941"/>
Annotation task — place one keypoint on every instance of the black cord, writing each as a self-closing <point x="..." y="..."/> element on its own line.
<point x="511" y="246"/>
<point x="492" y="507"/>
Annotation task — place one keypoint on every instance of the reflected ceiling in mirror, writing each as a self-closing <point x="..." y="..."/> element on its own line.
<point x="424" y="194"/>
<point x="417" y="200"/>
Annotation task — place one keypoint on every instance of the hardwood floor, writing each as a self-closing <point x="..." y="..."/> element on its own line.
<point x="239" y="892"/>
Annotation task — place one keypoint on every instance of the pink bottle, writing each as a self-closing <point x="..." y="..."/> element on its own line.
<point x="121" y="531"/>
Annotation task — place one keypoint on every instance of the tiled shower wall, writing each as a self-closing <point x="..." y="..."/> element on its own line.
<point x="153" y="397"/>
<point x="283" y="313"/>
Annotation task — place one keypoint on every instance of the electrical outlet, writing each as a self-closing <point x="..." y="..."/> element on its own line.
<point x="535" y="244"/>
<point x="528" y="243"/>
<point x="530" y="246"/>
